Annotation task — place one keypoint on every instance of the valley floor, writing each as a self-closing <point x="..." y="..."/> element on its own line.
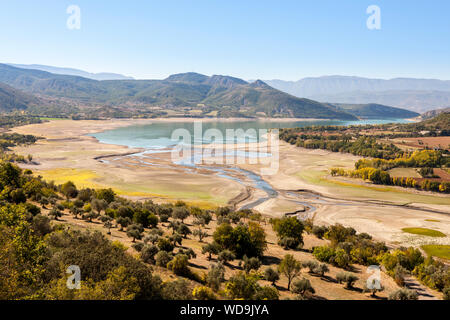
<point x="301" y="186"/>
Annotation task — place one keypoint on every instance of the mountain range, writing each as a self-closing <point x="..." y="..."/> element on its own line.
<point x="190" y="94"/>
<point x="413" y="94"/>
<point x="434" y="113"/>
<point x="13" y="99"/>
<point x="73" y="72"/>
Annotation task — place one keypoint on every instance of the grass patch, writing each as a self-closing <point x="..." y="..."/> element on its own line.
<point x="349" y="189"/>
<point x="404" y="172"/>
<point x="82" y="178"/>
<point x="52" y="119"/>
<point x="440" y="251"/>
<point x="424" y="232"/>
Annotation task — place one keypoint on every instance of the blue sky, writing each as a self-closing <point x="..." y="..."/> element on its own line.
<point x="250" y="39"/>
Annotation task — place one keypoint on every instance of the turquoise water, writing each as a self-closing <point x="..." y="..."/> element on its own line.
<point x="158" y="135"/>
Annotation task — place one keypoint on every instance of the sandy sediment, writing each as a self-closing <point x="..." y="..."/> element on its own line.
<point x="381" y="213"/>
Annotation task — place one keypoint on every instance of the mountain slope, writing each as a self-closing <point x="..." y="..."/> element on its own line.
<point x="434" y="113"/>
<point x="73" y="72"/>
<point x="12" y="99"/>
<point x="338" y="84"/>
<point x="376" y="111"/>
<point x="259" y="97"/>
<point x="227" y="95"/>
<point x="418" y="101"/>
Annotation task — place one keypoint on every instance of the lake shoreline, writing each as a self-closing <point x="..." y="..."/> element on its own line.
<point x="72" y="155"/>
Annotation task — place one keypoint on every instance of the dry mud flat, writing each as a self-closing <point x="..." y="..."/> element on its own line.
<point x="68" y="154"/>
<point x="380" y="211"/>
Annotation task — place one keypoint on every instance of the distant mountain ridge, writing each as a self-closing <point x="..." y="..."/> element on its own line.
<point x="229" y="96"/>
<point x="186" y="93"/>
<point x="413" y="94"/>
<point x="73" y="72"/>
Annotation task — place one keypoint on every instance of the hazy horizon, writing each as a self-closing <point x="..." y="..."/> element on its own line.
<point x="24" y="65"/>
<point x="289" y="41"/>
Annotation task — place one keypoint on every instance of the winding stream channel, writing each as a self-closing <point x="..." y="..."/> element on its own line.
<point x="155" y="139"/>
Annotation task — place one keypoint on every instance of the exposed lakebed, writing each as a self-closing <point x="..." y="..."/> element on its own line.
<point x="157" y="138"/>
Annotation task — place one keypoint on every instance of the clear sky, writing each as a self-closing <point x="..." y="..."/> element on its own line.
<point x="250" y="39"/>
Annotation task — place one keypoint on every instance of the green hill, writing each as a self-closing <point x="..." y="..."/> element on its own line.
<point x="439" y="122"/>
<point x="375" y="111"/>
<point x="12" y="99"/>
<point x="227" y="95"/>
<point x="260" y="97"/>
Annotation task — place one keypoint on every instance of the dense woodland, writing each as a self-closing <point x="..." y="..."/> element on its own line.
<point x="15" y="120"/>
<point x="374" y="170"/>
<point x="9" y="140"/>
<point x="35" y="252"/>
<point x="380" y="156"/>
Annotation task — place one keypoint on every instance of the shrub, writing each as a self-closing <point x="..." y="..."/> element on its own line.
<point x="249" y="240"/>
<point x="338" y="233"/>
<point x="165" y="245"/>
<point x="321" y="269"/>
<point x="348" y="278"/>
<point x="55" y="213"/>
<point x="200" y="234"/>
<point x="138" y="246"/>
<point x="241" y="286"/>
<point x="105" y="194"/>
<point x="446" y="292"/>
<point x="289" y="232"/>
<point x="215" y="276"/>
<point x="210" y="249"/>
<point x="311" y="265"/>
<point x="404" y="294"/>
<point x="203" y="293"/>
<point x="266" y="293"/>
<point x="177" y="290"/>
<point x="323" y="253"/>
<point x="180" y="213"/>
<point x="148" y="253"/>
<point x="341" y="259"/>
<point x="164" y="217"/>
<point x="319" y="231"/>
<point x="162" y="258"/>
<point x="41" y="225"/>
<point x="152" y="220"/>
<point x="123" y="222"/>
<point x="135" y="231"/>
<point x="271" y="275"/>
<point x="225" y="256"/>
<point x="251" y="264"/>
<point x="179" y="265"/>
<point x="302" y="287"/>
<point x="433" y="273"/>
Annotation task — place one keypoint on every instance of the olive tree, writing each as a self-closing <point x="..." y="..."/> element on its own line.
<point x="271" y="275"/>
<point x="290" y="268"/>
<point x="135" y="231"/>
